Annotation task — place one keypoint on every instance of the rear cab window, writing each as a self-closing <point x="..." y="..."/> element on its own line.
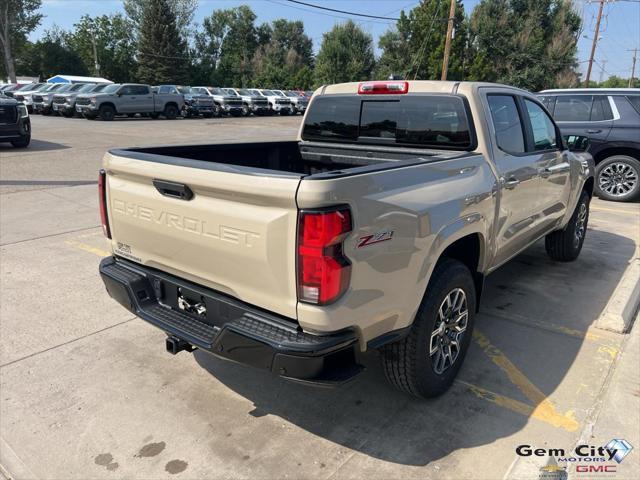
<point x="436" y="121"/>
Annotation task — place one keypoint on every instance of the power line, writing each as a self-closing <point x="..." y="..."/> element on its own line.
<point x="360" y="22"/>
<point x="343" y="11"/>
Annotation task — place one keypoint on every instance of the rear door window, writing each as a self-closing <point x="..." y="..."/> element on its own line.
<point x="573" y="108"/>
<point x="507" y="123"/>
<point x="438" y="121"/>
<point x="542" y="127"/>
<point x="601" y="109"/>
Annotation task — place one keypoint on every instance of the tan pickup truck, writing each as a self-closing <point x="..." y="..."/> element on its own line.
<point x="374" y="230"/>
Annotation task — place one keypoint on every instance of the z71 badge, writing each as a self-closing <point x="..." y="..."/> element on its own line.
<point x="375" y="238"/>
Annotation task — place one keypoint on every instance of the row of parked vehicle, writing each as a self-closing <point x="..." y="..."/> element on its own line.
<point x="109" y="100"/>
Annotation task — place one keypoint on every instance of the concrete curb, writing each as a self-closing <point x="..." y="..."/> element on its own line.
<point x="623" y="304"/>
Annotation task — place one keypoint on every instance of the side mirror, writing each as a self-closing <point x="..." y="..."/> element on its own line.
<point x="576" y="143"/>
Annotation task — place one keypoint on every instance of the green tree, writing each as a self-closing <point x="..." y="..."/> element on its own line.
<point x="527" y="43"/>
<point x="346" y="55"/>
<point x="115" y="45"/>
<point x="161" y="48"/>
<point x="51" y="55"/>
<point x="182" y="9"/>
<point x="285" y="58"/>
<point x="226" y="45"/>
<point x="414" y="48"/>
<point x="18" y="18"/>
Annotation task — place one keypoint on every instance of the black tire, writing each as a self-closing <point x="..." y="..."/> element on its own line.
<point x="67" y="114"/>
<point x="618" y="178"/>
<point x="246" y="111"/>
<point x="217" y="110"/>
<point x="46" y="111"/>
<point x="208" y="115"/>
<point x="170" y="112"/>
<point x="23" y="142"/>
<point x="107" y="113"/>
<point x="89" y="116"/>
<point x="565" y="245"/>
<point x="408" y="363"/>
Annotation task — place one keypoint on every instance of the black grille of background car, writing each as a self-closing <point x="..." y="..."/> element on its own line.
<point x="204" y="101"/>
<point x="58" y="99"/>
<point x="8" y="114"/>
<point x="261" y="101"/>
<point x="282" y="101"/>
<point x="19" y="98"/>
<point x="82" y="101"/>
<point x="38" y="98"/>
<point x="233" y="101"/>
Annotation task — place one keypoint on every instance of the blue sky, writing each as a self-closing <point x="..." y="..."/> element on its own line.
<point x="620" y="27"/>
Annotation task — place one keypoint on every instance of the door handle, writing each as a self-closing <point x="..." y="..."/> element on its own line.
<point x="594" y="130"/>
<point x="511" y="183"/>
<point x="173" y="189"/>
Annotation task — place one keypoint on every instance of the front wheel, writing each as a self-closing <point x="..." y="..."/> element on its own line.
<point x="427" y="360"/>
<point x="565" y="245"/>
<point x="22" y="142"/>
<point x="107" y="113"/>
<point x="171" y="112"/>
<point x="618" y="178"/>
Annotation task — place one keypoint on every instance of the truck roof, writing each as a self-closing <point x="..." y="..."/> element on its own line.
<point x="416" y="86"/>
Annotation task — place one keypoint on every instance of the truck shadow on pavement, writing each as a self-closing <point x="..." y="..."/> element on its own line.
<point x="34" y="146"/>
<point x="532" y="327"/>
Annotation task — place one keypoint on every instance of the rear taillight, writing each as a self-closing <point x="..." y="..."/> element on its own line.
<point x="323" y="270"/>
<point x="381" y="88"/>
<point x="102" y="198"/>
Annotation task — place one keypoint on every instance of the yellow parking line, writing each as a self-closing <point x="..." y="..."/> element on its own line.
<point x="552" y="327"/>
<point x="544" y="410"/>
<point x="88" y="248"/>
<point x="604" y="209"/>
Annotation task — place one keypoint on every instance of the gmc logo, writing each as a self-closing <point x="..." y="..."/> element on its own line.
<point x="596" y="468"/>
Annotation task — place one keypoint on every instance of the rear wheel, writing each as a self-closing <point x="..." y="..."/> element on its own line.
<point x="22" y="142"/>
<point x="170" y="112"/>
<point x="427" y="360"/>
<point x="618" y="178"/>
<point x="107" y="113"/>
<point x="565" y="245"/>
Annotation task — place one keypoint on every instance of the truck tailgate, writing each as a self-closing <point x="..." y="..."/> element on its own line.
<point x="237" y="234"/>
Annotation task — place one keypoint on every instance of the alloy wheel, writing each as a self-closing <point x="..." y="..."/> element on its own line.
<point x="446" y="338"/>
<point x="618" y="179"/>
<point x="581" y="226"/>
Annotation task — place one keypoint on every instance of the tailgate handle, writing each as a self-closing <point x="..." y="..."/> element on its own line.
<point x="173" y="189"/>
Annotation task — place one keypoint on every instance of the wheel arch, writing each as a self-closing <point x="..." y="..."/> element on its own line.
<point x="618" y="150"/>
<point x="469" y="250"/>
<point x="108" y="104"/>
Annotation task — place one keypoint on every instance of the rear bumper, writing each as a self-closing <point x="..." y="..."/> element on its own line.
<point x="230" y="328"/>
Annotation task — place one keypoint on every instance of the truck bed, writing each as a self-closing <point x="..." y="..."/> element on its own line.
<point x="290" y="158"/>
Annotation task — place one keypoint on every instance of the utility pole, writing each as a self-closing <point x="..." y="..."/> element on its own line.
<point x="96" y="65"/>
<point x="633" y="66"/>
<point x="593" y="45"/>
<point x="447" y="42"/>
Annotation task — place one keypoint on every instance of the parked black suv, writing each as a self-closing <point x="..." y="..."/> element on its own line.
<point x="611" y="120"/>
<point x="15" y="125"/>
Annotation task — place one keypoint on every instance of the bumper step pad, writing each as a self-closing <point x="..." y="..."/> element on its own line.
<point x="243" y="333"/>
